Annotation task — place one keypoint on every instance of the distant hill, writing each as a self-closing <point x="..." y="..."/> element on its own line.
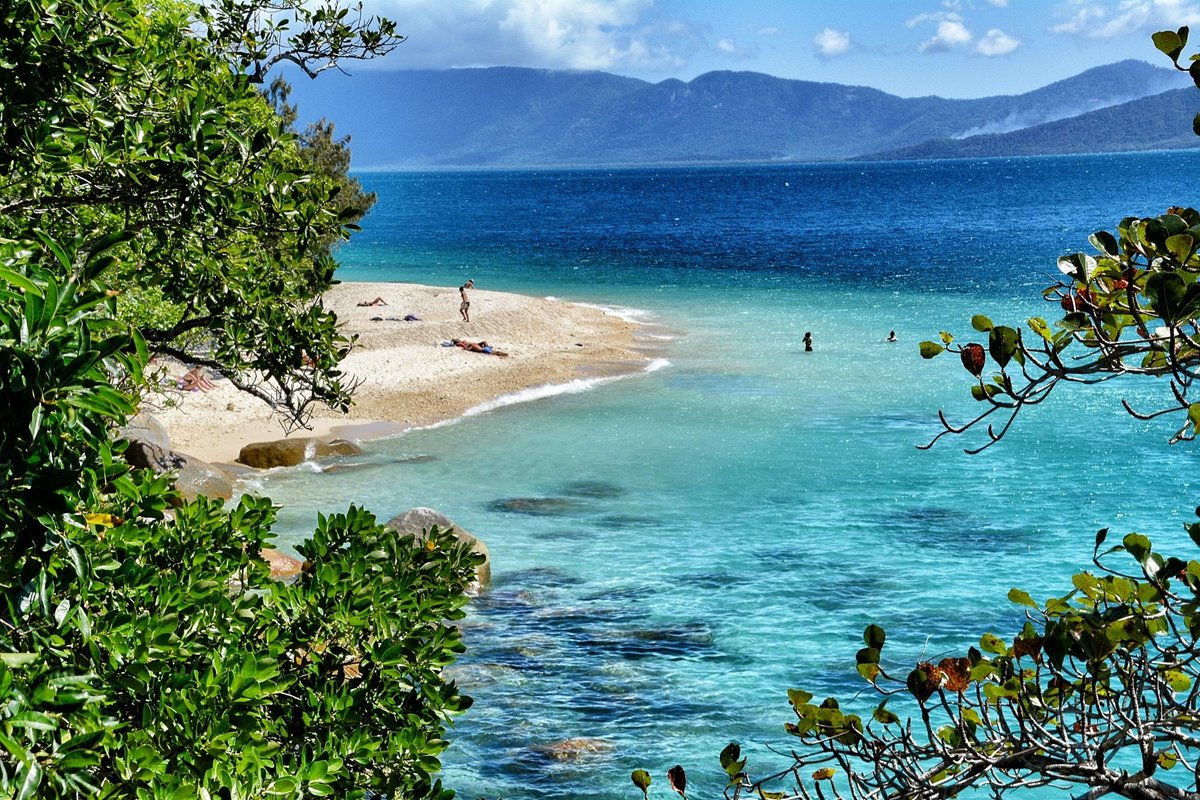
<point x="1159" y="122"/>
<point x="512" y="116"/>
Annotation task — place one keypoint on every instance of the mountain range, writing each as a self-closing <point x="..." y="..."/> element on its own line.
<point x="507" y="116"/>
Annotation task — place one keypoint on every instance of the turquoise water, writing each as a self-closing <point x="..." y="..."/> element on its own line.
<point x="730" y="522"/>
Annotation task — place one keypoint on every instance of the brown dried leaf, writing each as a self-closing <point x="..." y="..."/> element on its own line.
<point x="956" y="673"/>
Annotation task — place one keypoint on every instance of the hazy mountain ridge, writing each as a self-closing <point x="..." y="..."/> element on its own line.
<point x="1159" y="122"/>
<point x="514" y="116"/>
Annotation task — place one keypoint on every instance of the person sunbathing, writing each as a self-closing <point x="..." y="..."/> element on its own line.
<point x="378" y="301"/>
<point x="479" y="347"/>
<point x="194" y="380"/>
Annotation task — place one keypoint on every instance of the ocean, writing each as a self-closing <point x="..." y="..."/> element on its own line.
<point x="721" y="528"/>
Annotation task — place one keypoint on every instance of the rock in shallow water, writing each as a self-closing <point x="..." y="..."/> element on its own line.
<point x="290" y="452"/>
<point x="539" y="506"/>
<point x="595" y="489"/>
<point x="574" y="749"/>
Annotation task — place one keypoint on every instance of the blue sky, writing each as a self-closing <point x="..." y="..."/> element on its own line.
<point x="952" y="48"/>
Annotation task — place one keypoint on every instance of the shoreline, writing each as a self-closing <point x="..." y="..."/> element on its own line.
<point x="407" y="379"/>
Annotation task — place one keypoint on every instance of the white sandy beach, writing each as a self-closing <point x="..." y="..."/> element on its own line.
<point x="407" y="377"/>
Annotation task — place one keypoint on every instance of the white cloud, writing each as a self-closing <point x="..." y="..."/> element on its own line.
<point x="558" y="34"/>
<point x="770" y="30"/>
<point x="997" y="43"/>
<point x="933" y="16"/>
<point x="730" y="49"/>
<point x="831" y="43"/>
<point x="1096" y="20"/>
<point x="950" y="35"/>
<point x="998" y="3"/>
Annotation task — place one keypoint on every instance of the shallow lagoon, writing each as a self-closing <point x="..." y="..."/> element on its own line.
<point x="706" y="535"/>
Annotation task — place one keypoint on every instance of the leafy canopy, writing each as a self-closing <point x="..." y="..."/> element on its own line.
<point x="145" y="650"/>
<point x="117" y="117"/>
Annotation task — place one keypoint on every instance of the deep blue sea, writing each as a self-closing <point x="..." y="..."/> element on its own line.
<point x="737" y="517"/>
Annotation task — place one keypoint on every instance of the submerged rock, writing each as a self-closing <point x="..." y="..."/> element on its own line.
<point x="290" y="452"/>
<point x="537" y="506"/>
<point x="574" y="749"/>
<point x="417" y="521"/>
<point x="595" y="489"/>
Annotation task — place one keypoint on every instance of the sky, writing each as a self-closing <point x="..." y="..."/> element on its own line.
<point x="911" y="48"/>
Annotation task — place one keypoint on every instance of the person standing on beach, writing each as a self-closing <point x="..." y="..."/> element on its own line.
<point x="808" y="341"/>
<point x="464" y="308"/>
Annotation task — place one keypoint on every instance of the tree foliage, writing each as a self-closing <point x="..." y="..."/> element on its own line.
<point x="145" y="650"/>
<point x="1130" y="308"/>
<point x="1098" y="692"/>
<point x="126" y="120"/>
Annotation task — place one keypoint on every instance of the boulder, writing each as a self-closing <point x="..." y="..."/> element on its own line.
<point x="283" y="566"/>
<point x="148" y="455"/>
<point x="198" y="478"/>
<point x="146" y="428"/>
<point x="297" y="450"/>
<point x="416" y="521"/>
<point x="193" y="476"/>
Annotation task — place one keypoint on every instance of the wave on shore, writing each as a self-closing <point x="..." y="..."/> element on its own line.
<point x="575" y="386"/>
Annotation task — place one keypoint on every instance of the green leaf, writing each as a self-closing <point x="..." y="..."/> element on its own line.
<point x="946" y="337"/>
<point x="18" y="659"/>
<point x="1178" y="681"/>
<point x="874" y="636"/>
<point x="931" y="349"/>
<point x="730" y="756"/>
<point x="641" y="779"/>
<point x="983" y="392"/>
<point x="867" y="655"/>
<point x="883" y="716"/>
<point x="1105" y="242"/>
<point x="991" y="643"/>
<point x="1166" y="759"/>
<point x="1168" y="43"/>
<point x="1078" y="266"/>
<point x="1180" y="246"/>
<point x="1021" y="597"/>
<point x="1194" y="416"/>
<point x="1166" y="292"/>
<point x="1137" y="546"/>
<point x="981" y="323"/>
<point x="33" y="779"/>
<point x="869" y="671"/>
<point x="1041" y="328"/>
<point x="1002" y="344"/>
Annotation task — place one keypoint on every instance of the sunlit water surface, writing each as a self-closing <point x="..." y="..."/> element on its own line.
<point x="730" y="522"/>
